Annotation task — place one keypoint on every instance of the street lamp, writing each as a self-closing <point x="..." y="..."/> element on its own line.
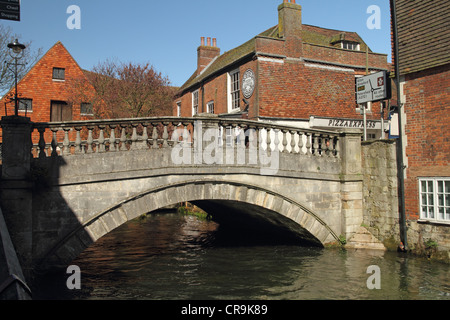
<point x="16" y="53"/>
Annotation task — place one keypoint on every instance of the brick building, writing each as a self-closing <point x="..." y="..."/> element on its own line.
<point x="46" y="92"/>
<point x="292" y="73"/>
<point x="424" y="69"/>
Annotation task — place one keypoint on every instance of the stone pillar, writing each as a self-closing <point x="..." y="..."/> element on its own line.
<point x="351" y="182"/>
<point x="16" y="186"/>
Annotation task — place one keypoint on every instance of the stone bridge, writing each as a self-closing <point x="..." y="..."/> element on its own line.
<point x="65" y="185"/>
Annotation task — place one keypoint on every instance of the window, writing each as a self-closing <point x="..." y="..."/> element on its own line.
<point x="195" y="103"/>
<point x="59" y="74"/>
<point x="86" y="108"/>
<point x="26" y="105"/>
<point x="60" y="111"/>
<point x="435" y="199"/>
<point x="210" y="107"/>
<point x="235" y="91"/>
<point x="350" y="45"/>
<point x="179" y="109"/>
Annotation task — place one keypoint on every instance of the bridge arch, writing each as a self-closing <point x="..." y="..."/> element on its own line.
<point x="293" y="214"/>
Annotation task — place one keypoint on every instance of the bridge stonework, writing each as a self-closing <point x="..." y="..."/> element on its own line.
<point x="93" y="176"/>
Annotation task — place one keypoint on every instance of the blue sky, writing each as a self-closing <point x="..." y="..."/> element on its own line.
<point x="167" y="33"/>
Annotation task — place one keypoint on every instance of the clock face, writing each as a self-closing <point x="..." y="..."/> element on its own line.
<point x="248" y="83"/>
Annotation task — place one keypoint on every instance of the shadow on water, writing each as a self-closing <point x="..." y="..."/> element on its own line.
<point x="169" y="256"/>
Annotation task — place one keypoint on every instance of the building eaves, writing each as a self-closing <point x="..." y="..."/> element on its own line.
<point x="311" y="34"/>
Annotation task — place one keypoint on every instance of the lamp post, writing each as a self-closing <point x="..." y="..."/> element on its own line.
<point x="16" y="53"/>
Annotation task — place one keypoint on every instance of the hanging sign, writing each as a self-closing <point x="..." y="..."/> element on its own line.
<point x="10" y="10"/>
<point x="373" y="87"/>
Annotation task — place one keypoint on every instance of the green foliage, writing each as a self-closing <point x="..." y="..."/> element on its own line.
<point x="193" y="212"/>
<point x="429" y="244"/>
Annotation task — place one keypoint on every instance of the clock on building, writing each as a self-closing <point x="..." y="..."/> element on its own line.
<point x="248" y="83"/>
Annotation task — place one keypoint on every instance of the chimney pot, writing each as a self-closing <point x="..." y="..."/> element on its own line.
<point x="208" y="40"/>
<point x="214" y="42"/>
<point x="202" y="41"/>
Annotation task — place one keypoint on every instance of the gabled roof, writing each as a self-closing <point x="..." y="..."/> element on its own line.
<point x="311" y="34"/>
<point x="39" y="62"/>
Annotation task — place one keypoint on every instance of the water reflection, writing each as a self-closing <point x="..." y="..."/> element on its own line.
<point x="175" y="257"/>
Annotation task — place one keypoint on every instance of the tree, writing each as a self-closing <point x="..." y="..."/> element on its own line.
<point x="29" y="59"/>
<point x="127" y="90"/>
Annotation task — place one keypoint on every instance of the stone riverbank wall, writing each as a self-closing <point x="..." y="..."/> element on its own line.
<point x="381" y="210"/>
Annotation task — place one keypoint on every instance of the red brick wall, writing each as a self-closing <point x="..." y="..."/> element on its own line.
<point x="346" y="57"/>
<point x="293" y="90"/>
<point x="39" y="86"/>
<point x="427" y="110"/>
<point x="215" y="90"/>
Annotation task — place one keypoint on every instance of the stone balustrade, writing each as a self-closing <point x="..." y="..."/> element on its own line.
<point x="120" y="135"/>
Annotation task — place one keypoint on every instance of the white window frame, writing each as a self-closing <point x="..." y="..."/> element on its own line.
<point x="178" y="108"/>
<point x="353" y="45"/>
<point x="210" y="107"/>
<point x="195" y="102"/>
<point x="434" y="202"/>
<point x="234" y="88"/>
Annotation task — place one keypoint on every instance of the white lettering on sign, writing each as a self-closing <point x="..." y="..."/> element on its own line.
<point x="351" y="123"/>
<point x="373" y="87"/>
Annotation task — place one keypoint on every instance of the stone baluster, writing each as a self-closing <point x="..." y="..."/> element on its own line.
<point x="101" y="148"/>
<point x="66" y="141"/>
<point x="165" y="136"/>
<point x="41" y="144"/>
<point x="144" y="144"/>
<point x="285" y="143"/>
<point x="134" y="137"/>
<point x="337" y="148"/>
<point x="293" y="144"/>
<point x="269" y="140"/>
<point x="252" y="137"/>
<point x="54" y="143"/>
<point x="78" y="147"/>
<point x="300" y="142"/>
<point x="123" y="137"/>
<point x="223" y="129"/>
<point x="185" y="134"/>
<point x="326" y="141"/>
<point x="308" y="143"/>
<point x="277" y="139"/>
<point x="315" y="138"/>
<point x="90" y="140"/>
<point x="155" y="136"/>
<point x="112" y="138"/>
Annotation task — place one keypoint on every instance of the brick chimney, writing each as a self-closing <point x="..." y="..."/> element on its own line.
<point x="290" y="26"/>
<point x="206" y="53"/>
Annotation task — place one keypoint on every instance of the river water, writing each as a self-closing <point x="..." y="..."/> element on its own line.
<point x="173" y="257"/>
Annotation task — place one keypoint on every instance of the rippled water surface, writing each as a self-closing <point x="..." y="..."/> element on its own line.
<point x="173" y="257"/>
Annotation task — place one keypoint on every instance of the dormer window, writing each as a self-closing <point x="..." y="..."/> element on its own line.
<point x="350" y="45"/>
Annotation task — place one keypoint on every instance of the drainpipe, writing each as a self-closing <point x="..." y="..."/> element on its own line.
<point x="400" y="161"/>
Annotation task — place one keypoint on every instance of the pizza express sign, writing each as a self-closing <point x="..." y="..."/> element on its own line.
<point x="344" y="123"/>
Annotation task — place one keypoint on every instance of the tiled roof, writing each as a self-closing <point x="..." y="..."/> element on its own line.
<point x="311" y="34"/>
<point x="424" y="34"/>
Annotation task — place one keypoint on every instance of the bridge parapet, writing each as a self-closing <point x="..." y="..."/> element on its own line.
<point x="119" y="135"/>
